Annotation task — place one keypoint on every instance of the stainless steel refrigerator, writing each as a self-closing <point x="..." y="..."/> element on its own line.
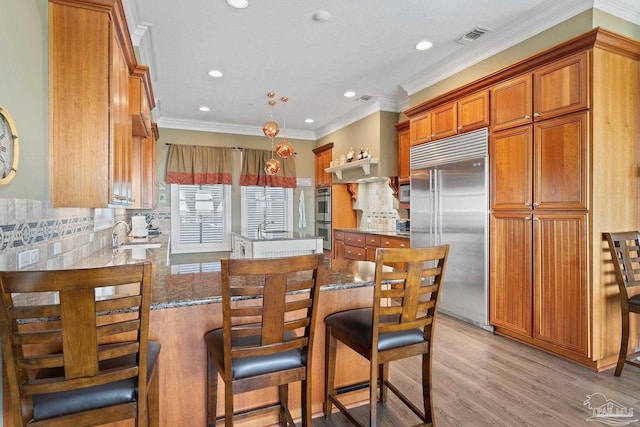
<point x="449" y="204"/>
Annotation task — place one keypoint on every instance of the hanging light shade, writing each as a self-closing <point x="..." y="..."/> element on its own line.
<point x="284" y="149"/>
<point x="271" y="129"/>
<point x="272" y="167"/>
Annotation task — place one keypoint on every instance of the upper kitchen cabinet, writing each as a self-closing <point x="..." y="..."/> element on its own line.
<point x="468" y="113"/>
<point x="404" y="138"/>
<point x="549" y="91"/>
<point x="511" y="104"/>
<point x="91" y="60"/>
<point x="323" y="161"/>
<point x="141" y="101"/>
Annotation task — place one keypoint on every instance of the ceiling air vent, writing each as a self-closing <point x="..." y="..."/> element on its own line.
<point x="473" y="35"/>
<point x="364" y="98"/>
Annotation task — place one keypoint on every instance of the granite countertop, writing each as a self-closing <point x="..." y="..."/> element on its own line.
<point x="400" y="234"/>
<point x="194" y="279"/>
<point x="277" y="235"/>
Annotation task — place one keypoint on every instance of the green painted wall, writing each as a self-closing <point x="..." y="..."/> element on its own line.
<point x="24" y="92"/>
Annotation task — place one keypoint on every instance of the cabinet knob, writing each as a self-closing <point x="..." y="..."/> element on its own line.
<point x="527" y="218"/>
<point x="459" y="128"/>
<point x="527" y="117"/>
<point x="536" y="114"/>
<point x="535" y="205"/>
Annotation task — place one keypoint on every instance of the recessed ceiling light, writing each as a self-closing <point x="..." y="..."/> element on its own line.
<point x="215" y="73"/>
<point x="349" y="94"/>
<point x="321" y="16"/>
<point x="238" y="4"/>
<point x="308" y="120"/>
<point x="424" y="45"/>
<point x="204" y="108"/>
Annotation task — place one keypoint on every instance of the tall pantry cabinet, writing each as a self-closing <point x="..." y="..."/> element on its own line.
<point x="563" y="158"/>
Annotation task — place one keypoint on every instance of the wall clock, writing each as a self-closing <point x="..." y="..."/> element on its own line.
<point x="9" y="147"/>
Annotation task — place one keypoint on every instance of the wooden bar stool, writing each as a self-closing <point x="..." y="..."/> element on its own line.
<point x="267" y="337"/>
<point x="399" y="325"/>
<point x="74" y="359"/>
<point x="625" y="253"/>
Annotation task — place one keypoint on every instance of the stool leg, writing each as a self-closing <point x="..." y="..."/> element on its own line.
<point x="306" y="400"/>
<point x="329" y="370"/>
<point x="283" y="396"/>
<point x="624" y="341"/>
<point x="153" y="398"/>
<point x="373" y="391"/>
<point x="384" y="376"/>
<point x="426" y="386"/>
<point x="212" y="392"/>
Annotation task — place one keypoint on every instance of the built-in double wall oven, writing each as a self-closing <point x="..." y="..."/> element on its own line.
<point x="323" y="215"/>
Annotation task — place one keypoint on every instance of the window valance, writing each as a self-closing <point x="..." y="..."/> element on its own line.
<point x="193" y="164"/>
<point x="253" y="173"/>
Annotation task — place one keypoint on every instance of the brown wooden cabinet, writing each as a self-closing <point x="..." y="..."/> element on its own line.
<point x="420" y="129"/>
<point x="561" y="87"/>
<point x="338" y="244"/>
<point x="323" y="161"/>
<point x="511" y="103"/>
<point x="466" y="114"/>
<point x="550" y="91"/>
<point x="91" y="146"/>
<point x="404" y="166"/>
<point x="444" y="121"/>
<point x="473" y="112"/>
<point x="563" y="157"/>
<point x="362" y="245"/>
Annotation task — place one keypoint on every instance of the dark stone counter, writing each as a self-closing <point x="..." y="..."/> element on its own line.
<point x="195" y="279"/>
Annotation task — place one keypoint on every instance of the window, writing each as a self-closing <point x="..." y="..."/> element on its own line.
<point x="200" y="218"/>
<point x="272" y="206"/>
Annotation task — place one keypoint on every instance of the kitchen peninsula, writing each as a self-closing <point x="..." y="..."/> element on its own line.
<point x="185" y="305"/>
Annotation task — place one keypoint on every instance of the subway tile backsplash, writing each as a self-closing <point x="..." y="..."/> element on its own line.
<point x="33" y="225"/>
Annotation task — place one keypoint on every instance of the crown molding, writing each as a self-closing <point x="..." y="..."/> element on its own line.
<point x="548" y="15"/>
<point x="629" y="10"/>
<point x="171" y="123"/>
<point x="372" y="106"/>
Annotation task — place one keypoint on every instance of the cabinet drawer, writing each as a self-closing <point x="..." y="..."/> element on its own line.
<point x="354" y="239"/>
<point x="373" y="240"/>
<point x="354" y="252"/>
<point x="394" y="242"/>
<point x="339" y="235"/>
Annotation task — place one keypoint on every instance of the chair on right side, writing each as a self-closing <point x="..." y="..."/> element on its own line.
<point x="400" y="324"/>
<point x="625" y="251"/>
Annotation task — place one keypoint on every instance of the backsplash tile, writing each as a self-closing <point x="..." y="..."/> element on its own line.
<point x="33" y="224"/>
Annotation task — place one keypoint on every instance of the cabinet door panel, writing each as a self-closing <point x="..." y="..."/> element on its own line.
<point x="473" y="112"/>
<point x="511" y="103"/>
<point x="560" y="163"/>
<point x="561" y="87"/>
<point x="511" y="170"/>
<point x="510" y="290"/>
<point x="403" y="155"/>
<point x="560" y="281"/>
<point x="420" y="129"/>
<point x="444" y="121"/>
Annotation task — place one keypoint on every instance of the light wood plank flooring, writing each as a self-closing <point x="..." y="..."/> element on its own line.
<point x="482" y="379"/>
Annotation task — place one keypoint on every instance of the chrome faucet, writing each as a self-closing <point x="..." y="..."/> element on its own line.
<point x="114" y="235"/>
<point x="263" y="227"/>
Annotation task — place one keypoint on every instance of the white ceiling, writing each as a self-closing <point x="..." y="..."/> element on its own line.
<point x="366" y="46"/>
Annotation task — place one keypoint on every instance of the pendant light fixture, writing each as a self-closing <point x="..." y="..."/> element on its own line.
<point x="271" y="130"/>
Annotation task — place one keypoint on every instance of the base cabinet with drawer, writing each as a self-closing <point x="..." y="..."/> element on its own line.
<point x="361" y="246"/>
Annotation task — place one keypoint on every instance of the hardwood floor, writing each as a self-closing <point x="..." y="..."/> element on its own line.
<point x="482" y="379"/>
